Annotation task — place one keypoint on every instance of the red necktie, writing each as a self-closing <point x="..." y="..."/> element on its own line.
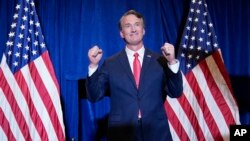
<point x="137" y="69"/>
<point x="137" y="72"/>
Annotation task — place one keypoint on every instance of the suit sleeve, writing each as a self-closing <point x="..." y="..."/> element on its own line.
<point x="96" y="84"/>
<point x="173" y="83"/>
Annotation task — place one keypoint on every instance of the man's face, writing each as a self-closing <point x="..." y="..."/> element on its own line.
<point x="132" y="29"/>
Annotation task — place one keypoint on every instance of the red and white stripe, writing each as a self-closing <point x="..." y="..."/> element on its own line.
<point x="30" y="102"/>
<point x="207" y="106"/>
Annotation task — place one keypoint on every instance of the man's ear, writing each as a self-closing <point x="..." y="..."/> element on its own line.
<point x="121" y="34"/>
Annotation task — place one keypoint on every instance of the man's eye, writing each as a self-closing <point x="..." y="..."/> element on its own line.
<point x="137" y="24"/>
<point x="127" y="26"/>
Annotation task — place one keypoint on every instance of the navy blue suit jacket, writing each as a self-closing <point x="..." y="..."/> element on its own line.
<point x="156" y="81"/>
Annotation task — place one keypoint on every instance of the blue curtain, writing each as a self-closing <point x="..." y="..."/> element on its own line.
<point x="71" y="27"/>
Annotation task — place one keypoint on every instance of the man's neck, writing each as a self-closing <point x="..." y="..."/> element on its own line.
<point x="135" y="47"/>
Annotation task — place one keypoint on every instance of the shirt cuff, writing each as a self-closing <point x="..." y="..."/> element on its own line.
<point x="174" y="67"/>
<point x="92" y="70"/>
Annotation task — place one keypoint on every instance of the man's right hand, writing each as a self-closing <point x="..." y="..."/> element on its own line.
<point x="95" y="55"/>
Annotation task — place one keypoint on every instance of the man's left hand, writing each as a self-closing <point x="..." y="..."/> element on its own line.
<point x="168" y="52"/>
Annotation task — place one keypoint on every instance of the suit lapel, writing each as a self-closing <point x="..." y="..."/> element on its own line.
<point x="126" y="67"/>
<point x="145" y="67"/>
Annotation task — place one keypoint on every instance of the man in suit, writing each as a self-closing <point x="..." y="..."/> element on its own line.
<point x="138" y="84"/>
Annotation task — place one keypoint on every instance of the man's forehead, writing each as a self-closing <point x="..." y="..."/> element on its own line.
<point x="130" y="17"/>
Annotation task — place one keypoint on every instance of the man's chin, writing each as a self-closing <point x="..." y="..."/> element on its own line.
<point x="134" y="42"/>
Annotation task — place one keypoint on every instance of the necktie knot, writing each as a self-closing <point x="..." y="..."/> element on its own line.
<point x="136" y="55"/>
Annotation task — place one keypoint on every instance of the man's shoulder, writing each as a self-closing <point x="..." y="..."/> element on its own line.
<point x="115" y="56"/>
<point x="152" y="53"/>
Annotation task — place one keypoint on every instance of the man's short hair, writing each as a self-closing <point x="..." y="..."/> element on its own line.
<point x="131" y="12"/>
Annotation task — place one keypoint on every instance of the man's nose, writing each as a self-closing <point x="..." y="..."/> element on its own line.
<point x="133" y="28"/>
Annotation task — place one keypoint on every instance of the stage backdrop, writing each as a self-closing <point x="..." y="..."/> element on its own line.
<point x="71" y="27"/>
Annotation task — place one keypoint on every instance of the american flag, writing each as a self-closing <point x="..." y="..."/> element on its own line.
<point x="30" y="107"/>
<point x="207" y="107"/>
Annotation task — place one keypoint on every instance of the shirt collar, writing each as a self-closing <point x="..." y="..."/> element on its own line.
<point x="131" y="52"/>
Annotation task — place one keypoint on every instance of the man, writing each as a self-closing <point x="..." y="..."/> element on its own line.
<point x="138" y="84"/>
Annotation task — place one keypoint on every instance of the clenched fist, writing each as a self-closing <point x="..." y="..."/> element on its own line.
<point x="95" y="55"/>
<point x="169" y="53"/>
